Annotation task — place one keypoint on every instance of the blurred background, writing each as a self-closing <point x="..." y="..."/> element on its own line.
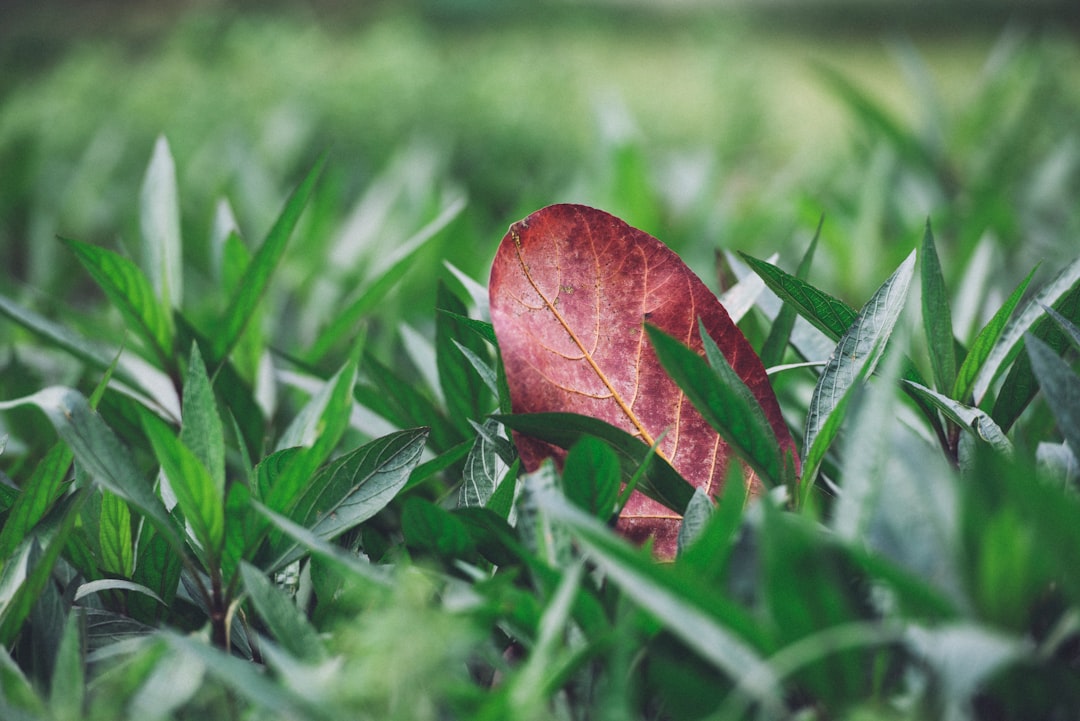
<point x="713" y="125"/>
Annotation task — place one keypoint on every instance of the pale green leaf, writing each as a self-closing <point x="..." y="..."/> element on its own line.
<point x="159" y="221"/>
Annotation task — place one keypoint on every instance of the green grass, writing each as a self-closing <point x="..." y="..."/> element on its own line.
<point x="249" y="468"/>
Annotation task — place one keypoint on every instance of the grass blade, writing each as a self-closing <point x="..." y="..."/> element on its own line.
<point x="256" y="278"/>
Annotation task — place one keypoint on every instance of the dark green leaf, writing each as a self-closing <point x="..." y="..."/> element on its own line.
<point x="1060" y="387"/>
<point x="772" y="352"/>
<point x="256" y="278"/>
<point x="723" y="400"/>
<point x="985" y="342"/>
<point x="402" y="403"/>
<point x="39" y="493"/>
<point x="200" y="499"/>
<point x="828" y="314"/>
<point x="937" y="315"/>
<point x="158" y="569"/>
<point x="286" y="622"/>
<point x="1010" y="341"/>
<point x="429" y="528"/>
<point x="464" y="388"/>
<point x="591" y="477"/>
<point x="67" y="688"/>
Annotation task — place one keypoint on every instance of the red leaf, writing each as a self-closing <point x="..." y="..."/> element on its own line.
<point x="571" y="287"/>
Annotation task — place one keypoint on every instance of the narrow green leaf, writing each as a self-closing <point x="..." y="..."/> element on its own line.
<point x="202" y="431"/>
<point x="114" y="584"/>
<point x="316" y="430"/>
<point x="100" y="452"/>
<point x="159" y="221"/>
<point x="114" y="536"/>
<point x="200" y="499"/>
<point x="986" y="341"/>
<point x="724" y="402"/>
<point x="481" y="328"/>
<point x="501" y="502"/>
<point x="1072" y="332"/>
<point x="828" y="314"/>
<point x="772" y="352"/>
<point x="67" y="687"/>
<point x="974" y="420"/>
<point x="130" y="293"/>
<point x="286" y="623"/>
<point x="256" y="278"/>
<point x="937" y="315"/>
<point x="428" y="469"/>
<point x="1010" y="342"/>
<point x="40" y="492"/>
<point x="463" y="387"/>
<point x="853" y="360"/>
<point x="483" y="369"/>
<point x="1060" y="387"/>
<point x="660" y="481"/>
<point x="158" y="569"/>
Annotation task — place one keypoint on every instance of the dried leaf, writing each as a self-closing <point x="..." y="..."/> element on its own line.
<point x="571" y="288"/>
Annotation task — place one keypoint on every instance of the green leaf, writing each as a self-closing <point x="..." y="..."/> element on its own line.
<point x="772" y="352"/>
<point x="100" y="452"/>
<point x="723" y="400"/>
<point x="256" y="278"/>
<point x="853" y="360"/>
<point x="660" y="481"/>
<point x="985" y="342"/>
<point x="39" y="493"/>
<point x="316" y="429"/>
<point x="23" y="578"/>
<point x="1010" y="342"/>
<point x="464" y="388"/>
<point x="130" y="293"/>
<point x="356" y="486"/>
<point x="200" y="499"/>
<point x="429" y="528"/>
<point x="286" y="623"/>
<point x="67" y="688"/>
<point x="202" y="431"/>
<point x="481" y="328"/>
<point x="158" y="569"/>
<point x="1060" y="387"/>
<point x="501" y="502"/>
<point x="937" y="316"/>
<point x="114" y="536"/>
<point x="974" y="420"/>
<point x="483" y="468"/>
<point x="716" y="628"/>
<point x="1072" y="332"/>
<point x="828" y="314"/>
<point x="590" y="477"/>
<point x="159" y="221"/>
<point x="402" y="403"/>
